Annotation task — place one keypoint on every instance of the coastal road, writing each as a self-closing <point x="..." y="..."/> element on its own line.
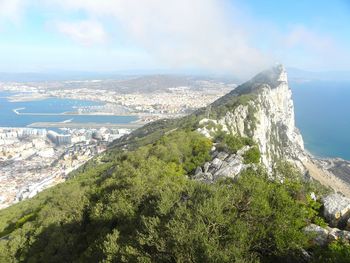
<point x="133" y="125"/>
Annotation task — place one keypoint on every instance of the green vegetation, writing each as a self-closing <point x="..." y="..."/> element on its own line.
<point x="19" y="223"/>
<point x="140" y="206"/>
<point x="252" y="155"/>
<point x="229" y="103"/>
<point x="231" y="143"/>
<point x="337" y="251"/>
<point x="137" y="203"/>
<point x="189" y="149"/>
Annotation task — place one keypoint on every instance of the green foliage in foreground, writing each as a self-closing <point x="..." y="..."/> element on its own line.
<point x="139" y="206"/>
<point x="337" y="251"/>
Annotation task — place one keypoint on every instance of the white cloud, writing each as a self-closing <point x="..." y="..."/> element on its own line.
<point x="11" y="10"/>
<point x="306" y="48"/>
<point x="182" y="33"/>
<point x="214" y="35"/>
<point x="86" y="32"/>
<point x="300" y="36"/>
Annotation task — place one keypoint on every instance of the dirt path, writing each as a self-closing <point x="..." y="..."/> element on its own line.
<point x="327" y="179"/>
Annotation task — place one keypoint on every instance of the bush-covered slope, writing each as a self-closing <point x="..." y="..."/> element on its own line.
<point x="140" y="206"/>
<point x="138" y="202"/>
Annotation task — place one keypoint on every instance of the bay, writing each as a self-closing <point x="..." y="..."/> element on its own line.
<point x="8" y="118"/>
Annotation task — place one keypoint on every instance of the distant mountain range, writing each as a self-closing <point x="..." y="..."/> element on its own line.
<point x="293" y="74"/>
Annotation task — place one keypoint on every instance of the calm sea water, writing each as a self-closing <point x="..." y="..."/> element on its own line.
<point x="9" y="119"/>
<point x="322" y="111"/>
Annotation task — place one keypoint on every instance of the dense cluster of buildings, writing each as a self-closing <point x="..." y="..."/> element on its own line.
<point x="173" y="101"/>
<point x="34" y="159"/>
<point x="59" y="139"/>
<point x="177" y="100"/>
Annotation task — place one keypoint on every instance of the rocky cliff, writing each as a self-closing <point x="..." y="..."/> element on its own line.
<point x="262" y="109"/>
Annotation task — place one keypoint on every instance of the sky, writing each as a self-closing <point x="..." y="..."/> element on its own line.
<point x="208" y="36"/>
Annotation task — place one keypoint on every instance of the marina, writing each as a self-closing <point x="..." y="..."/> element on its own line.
<point x="57" y="112"/>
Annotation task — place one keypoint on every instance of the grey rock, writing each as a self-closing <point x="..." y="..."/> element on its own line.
<point x="320" y="234"/>
<point x="336" y="234"/>
<point x="243" y="150"/>
<point x="323" y="236"/>
<point x="336" y="209"/>
<point x="198" y="170"/>
<point x="204" y="177"/>
<point x="224" y="164"/>
<point x="199" y="177"/>
<point x="222" y="155"/>
<point x="345" y="235"/>
<point x="333" y="234"/>
<point x="230" y="170"/>
<point x="234" y="159"/>
<point x="306" y="255"/>
<point x="214" y="154"/>
<point x="216" y="163"/>
<point x="206" y="167"/>
<point x="208" y="176"/>
<point x="212" y="170"/>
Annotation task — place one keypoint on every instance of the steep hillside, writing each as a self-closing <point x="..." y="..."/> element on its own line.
<point x="265" y="113"/>
<point x="261" y="108"/>
<point x="195" y="189"/>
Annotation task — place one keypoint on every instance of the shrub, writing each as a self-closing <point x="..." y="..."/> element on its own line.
<point x="336" y="251"/>
<point x="252" y="155"/>
<point x="231" y="143"/>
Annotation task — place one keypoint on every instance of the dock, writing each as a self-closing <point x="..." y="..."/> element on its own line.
<point x="93" y="125"/>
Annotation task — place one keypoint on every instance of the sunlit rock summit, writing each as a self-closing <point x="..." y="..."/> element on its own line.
<point x="262" y="108"/>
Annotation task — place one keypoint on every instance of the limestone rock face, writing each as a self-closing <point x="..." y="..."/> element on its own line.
<point x="222" y="165"/>
<point x="336" y="209"/>
<point x="268" y="118"/>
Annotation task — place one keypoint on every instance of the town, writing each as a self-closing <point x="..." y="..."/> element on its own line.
<point x="42" y="154"/>
<point x="149" y="102"/>
<point x="34" y="159"/>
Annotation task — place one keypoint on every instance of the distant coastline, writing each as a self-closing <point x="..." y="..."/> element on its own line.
<point x="17" y="111"/>
<point x="54" y="112"/>
<point x="131" y="125"/>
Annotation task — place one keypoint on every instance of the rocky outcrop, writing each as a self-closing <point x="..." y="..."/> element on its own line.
<point x="222" y="165"/>
<point x="320" y="235"/>
<point x="263" y="109"/>
<point x="336" y="210"/>
<point x="323" y="236"/>
<point x="267" y="116"/>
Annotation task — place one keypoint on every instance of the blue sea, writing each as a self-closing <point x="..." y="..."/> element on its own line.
<point x="322" y="112"/>
<point x="52" y="105"/>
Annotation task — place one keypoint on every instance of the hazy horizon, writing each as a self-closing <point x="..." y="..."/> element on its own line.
<point x="293" y="74"/>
